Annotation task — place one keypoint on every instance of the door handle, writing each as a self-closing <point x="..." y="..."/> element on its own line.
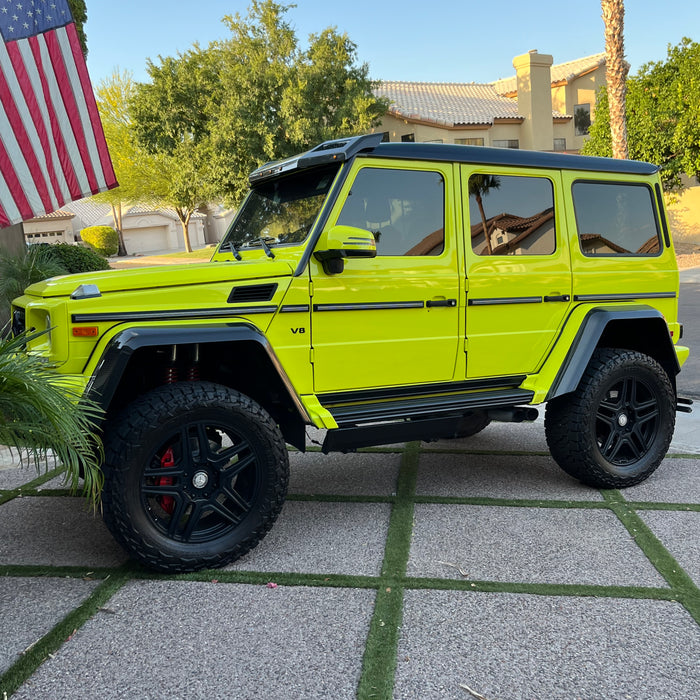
<point x="440" y="302"/>
<point x="558" y="297"/>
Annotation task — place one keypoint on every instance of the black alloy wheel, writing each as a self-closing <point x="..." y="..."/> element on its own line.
<point x="615" y="429"/>
<point x="195" y="475"/>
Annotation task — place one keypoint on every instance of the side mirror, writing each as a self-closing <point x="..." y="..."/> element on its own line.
<point x="340" y="242"/>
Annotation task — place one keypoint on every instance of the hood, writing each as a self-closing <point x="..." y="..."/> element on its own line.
<point x="162" y="276"/>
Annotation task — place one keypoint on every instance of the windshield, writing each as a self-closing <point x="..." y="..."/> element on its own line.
<point x="282" y="210"/>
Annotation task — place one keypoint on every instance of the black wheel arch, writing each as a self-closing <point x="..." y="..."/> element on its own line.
<point x="239" y="356"/>
<point x="641" y="328"/>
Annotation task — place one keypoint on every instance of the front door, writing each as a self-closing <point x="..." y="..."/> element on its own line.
<point x="518" y="269"/>
<point x="394" y="319"/>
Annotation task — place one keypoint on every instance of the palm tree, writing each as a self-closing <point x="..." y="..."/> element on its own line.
<point x="39" y="416"/>
<point x="616" y="74"/>
<point x="480" y="185"/>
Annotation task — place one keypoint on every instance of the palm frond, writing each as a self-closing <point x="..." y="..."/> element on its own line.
<point x="41" y="417"/>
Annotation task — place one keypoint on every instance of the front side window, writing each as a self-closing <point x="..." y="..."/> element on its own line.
<point x="282" y="210"/>
<point x="615" y="219"/>
<point x="404" y="209"/>
<point x="511" y="215"/>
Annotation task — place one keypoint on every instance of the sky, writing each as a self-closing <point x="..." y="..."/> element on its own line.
<point x="436" y="41"/>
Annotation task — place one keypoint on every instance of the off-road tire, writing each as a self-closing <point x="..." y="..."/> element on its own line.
<point x="615" y="429"/>
<point x="223" y="483"/>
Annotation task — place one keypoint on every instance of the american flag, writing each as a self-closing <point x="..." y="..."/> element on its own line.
<point x="52" y="147"/>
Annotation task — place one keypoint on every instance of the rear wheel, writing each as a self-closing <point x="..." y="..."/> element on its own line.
<point x="195" y="475"/>
<point x="472" y="424"/>
<point x="615" y="429"/>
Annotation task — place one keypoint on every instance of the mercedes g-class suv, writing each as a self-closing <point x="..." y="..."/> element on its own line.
<point x="383" y="292"/>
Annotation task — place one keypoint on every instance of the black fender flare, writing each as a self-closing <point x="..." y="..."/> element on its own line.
<point x="593" y="329"/>
<point x="104" y="382"/>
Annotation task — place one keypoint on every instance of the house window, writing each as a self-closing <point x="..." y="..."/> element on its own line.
<point x="470" y="142"/>
<point x="582" y="119"/>
<point x="615" y="219"/>
<point x="409" y="138"/>
<point x="511" y="215"/>
<point x="506" y="143"/>
<point x="404" y="209"/>
<point x="559" y="144"/>
<point x="48" y="236"/>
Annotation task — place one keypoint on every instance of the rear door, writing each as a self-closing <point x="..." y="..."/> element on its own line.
<point x="518" y="268"/>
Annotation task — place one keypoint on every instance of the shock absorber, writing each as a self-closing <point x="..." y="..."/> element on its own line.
<point x="193" y="371"/>
<point x="171" y="374"/>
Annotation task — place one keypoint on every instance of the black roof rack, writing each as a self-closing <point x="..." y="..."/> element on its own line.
<point x="335" y="151"/>
<point x="341" y="150"/>
<point x="484" y="155"/>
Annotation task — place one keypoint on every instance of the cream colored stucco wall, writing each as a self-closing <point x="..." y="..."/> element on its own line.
<point x="424" y="133"/>
<point x="684" y="216"/>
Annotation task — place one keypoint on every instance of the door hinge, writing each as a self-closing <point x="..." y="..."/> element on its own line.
<point x="466" y="345"/>
<point x="311" y="355"/>
<point x="311" y="288"/>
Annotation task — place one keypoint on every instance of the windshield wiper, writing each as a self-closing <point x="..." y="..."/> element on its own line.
<point x="232" y="246"/>
<point x="265" y="247"/>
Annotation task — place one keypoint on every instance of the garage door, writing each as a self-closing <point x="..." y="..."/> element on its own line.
<point x="150" y="239"/>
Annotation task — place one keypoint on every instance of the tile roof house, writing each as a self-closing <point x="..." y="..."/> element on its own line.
<point x="543" y="106"/>
<point x="147" y="229"/>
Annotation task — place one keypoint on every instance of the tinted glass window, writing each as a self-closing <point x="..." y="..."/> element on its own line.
<point x="404" y="209"/>
<point x="511" y="215"/>
<point x="615" y="219"/>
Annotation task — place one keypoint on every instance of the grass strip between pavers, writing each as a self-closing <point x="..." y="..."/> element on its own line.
<point x="379" y="661"/>
<point x="686" y="592"/>
<point x="30" y="486"/>
<point x="380" y="657"/>
<point x="33" y="657"/>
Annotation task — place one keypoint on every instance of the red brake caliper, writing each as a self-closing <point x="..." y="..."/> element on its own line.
<point x="167" y="503"/>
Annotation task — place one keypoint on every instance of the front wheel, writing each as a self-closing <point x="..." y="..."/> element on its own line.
<point x="195" y="475"/>
<point x="615" y="429"/>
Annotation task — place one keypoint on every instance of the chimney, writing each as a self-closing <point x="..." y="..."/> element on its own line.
<point x="535" y="100"/>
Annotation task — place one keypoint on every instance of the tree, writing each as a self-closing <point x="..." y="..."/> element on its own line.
<point x="663" y="114"/>
<point x="278" y="100"/>
<point x="616" y="73"/>
<point x="133" y="165"/>
<point x="210" y="116"/>
<point x="171" y="121"/>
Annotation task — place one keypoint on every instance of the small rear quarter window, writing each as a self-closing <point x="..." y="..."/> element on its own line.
<point x="615" y="218"/>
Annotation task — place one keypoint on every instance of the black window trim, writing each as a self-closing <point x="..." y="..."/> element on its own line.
<point x="627" y="183"/>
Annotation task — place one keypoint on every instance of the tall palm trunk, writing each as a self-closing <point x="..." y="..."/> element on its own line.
<point x="616" y="74"/>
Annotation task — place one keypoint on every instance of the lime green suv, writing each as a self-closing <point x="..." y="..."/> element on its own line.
<point x="382" y="292"/>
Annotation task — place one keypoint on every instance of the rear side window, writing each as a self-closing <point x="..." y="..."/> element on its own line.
<point x="615" y="219"/>
<point x="511" y="215"/>
<point x="404" y="209"/>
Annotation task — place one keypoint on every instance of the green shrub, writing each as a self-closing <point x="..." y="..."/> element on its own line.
<point x="103" y="239"/>
<point x="77" y="258"/>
